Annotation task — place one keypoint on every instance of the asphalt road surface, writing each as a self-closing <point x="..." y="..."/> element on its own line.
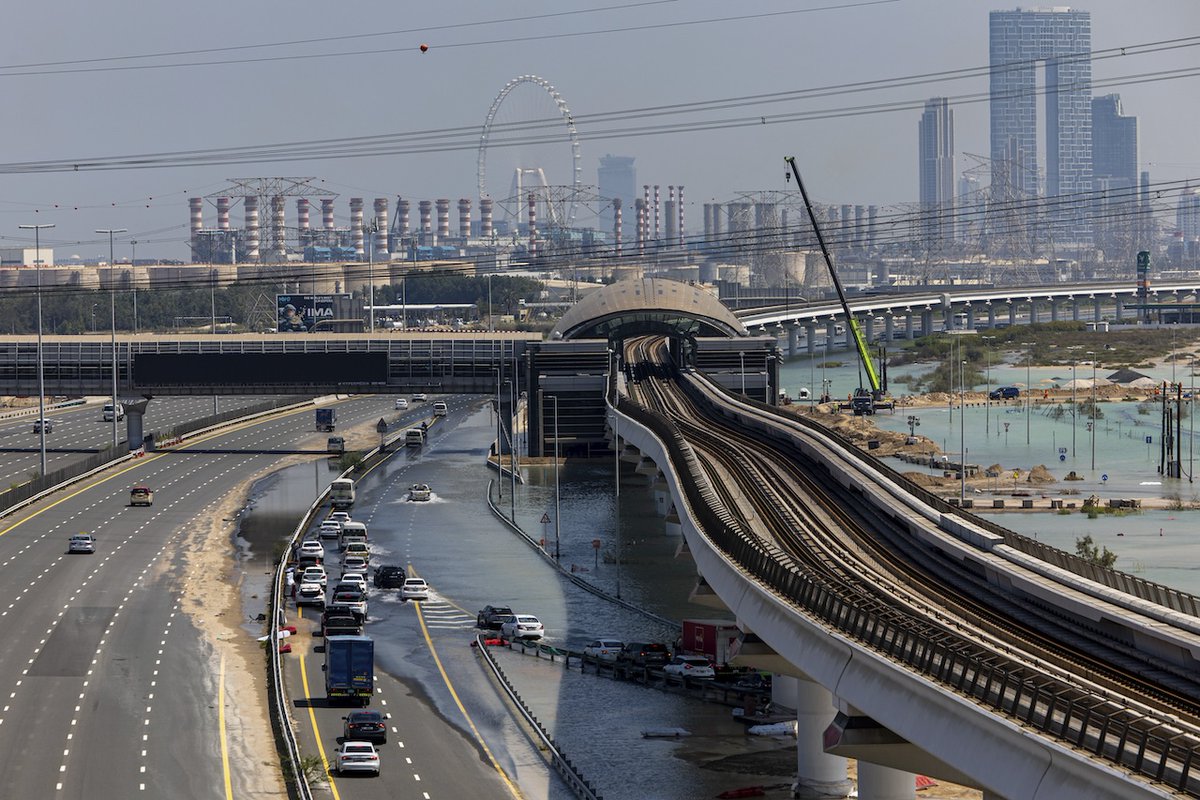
<point x="106" y="689"/>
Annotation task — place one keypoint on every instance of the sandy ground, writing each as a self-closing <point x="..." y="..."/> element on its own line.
<point x="210" y="549"/>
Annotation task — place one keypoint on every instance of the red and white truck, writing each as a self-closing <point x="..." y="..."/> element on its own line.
<point x="709" y="637"/>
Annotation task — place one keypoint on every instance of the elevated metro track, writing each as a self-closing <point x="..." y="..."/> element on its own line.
<point x="1106" y="681"/>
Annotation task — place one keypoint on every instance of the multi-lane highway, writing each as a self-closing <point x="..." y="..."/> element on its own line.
<point x="125" y="673"/>
<point x="78" y="431"/>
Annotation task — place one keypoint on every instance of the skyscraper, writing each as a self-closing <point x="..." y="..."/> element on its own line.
<point x="1060" y="39"/>
<point x="617" y="177"/>
<point x="1114" y="144"/>
<point x="936" y="169"/>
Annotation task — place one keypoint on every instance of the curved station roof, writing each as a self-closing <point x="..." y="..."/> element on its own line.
<point x="646" y="306"/>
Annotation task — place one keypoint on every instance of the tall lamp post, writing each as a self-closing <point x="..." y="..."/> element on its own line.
<point x="742" y="361"/>
<point x="1074" y="407"/>
<point x="962" y="432"/>
<point x="1028" y="387"/>
<point x="37" y="262"/>
<point x="133" y="279"/>
<point x="987" y="404"/>
<point x="112" y="299"/>
<point x="556" y="497"/>
<point x="499" y="441"/>
<point x="371" y="231"/>
<point x="1092" y="355"/>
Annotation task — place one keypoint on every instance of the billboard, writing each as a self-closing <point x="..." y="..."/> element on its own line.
<point x="298" y="313"/>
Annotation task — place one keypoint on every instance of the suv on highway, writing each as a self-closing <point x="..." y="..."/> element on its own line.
<point x="141" y="496"/>
<point x="490" y="617"/>
<point x="1004" y="393"/>
<point x="38" y="424"/>
<point x="389" y="577"/>
<point x="644" y="654"/>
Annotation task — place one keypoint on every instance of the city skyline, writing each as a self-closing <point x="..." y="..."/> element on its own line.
<point x="848" y="157"/>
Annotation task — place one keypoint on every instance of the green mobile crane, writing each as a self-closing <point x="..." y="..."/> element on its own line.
<point x="864" y="399"/>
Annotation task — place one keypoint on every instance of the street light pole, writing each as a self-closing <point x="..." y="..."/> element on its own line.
<point x="1074" y="408"/>
<point x="962" y="432"/>
<point x="499" y="441"/>
<point x="133" y="279"/>
<point x="742" y="361"/>
<point x="987" y="403"/>
<point x="112" y="298"/>
<point x="491" y="325"/>
<point x="1093" y="355"/>
<point x="557" y="513"/>
<point x="1028" y="387"/>
<point x="37" y="261"/>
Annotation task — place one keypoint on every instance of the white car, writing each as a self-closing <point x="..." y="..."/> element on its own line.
<point x="357" y="757"/>
<point x="354" y="564"/>
<point x="81" y="543"/>
<point x="420" y="397"/>
<point x="414" y="589"/>
<point x="604" y="649"/>
<point x="314" y="575"/>
<point x="355" y="576"/>
<point x="340" y="517"/>
<point x="312" y="548"/>
<point x="330" y="529"/>
<point x="522" y="626"/>
<point x="401" y="403"/>
<point x="310" y="594"/>
<point x="690" y="667"/>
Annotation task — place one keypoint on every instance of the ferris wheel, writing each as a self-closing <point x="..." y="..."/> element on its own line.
<point x="536" y="147"/>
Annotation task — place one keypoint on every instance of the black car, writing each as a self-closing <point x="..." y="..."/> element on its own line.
<point x="343" y="610"/>
<point x="340" y="621"/>
<point x="389" y="577"/>
<point x="1004" y="393"/>
<point x="644" y="654"/>
<point x="365" y="726"/>
<point x="490" y="617"/>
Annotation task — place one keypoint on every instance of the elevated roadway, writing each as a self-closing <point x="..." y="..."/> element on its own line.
<point x="949" y="650"/>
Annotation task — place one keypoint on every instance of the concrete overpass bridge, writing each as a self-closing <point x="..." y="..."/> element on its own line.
<point x="908" y="315"/>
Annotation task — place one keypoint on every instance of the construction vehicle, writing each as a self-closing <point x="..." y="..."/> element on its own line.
<point x="865" y="398"/>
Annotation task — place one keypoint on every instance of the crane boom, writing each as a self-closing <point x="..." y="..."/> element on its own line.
<point x="860" y="340"/>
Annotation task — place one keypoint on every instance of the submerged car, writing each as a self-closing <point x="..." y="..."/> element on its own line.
<point x="603" y="649"/>
<point x="690" y="667"/>
<point x="491" y="616"/>
<point x="522" y="626"/>
<point x="415" y="589"/>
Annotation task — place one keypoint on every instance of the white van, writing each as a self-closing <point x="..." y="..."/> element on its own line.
<point x="440" y="409"/>
<point x="352" y="531"/>
<point x="414" y="437"/>
<point x="108" y="412"/>
<point x="341" y="493"/>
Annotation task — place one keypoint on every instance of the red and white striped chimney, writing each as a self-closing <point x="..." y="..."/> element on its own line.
<point x="196" y="209"/>
<point x="464" y="217"/>
<point x="617" y="226"/>
<point x="250" y="207"/>
<point x="223" y="213"/>
<point x="443" y="217"/>
<point x="381" y="227"/>
<point x="402" y="216"/>
<point x="356" y="226"/>
<point x="533" y="225"/>
<point x="485" y="217"/>
<point x="327" y="213"/>
<point x="680" y="207"/>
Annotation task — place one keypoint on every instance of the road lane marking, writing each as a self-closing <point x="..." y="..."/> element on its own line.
<point x="221" y="725"/>
<point x="312" y="718"/>
<point x="516" y="793"/>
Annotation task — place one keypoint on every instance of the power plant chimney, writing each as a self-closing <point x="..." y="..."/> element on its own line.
<point x="425" y="209"/>
<point x="381" y="228"/>
<point x="327" y="213"/>
<point x="679" y="199"/>
<point x="464" y="218"/>
<point x="617" y="226"/>
<point x="196" y="209"/>
<point x="402" y="216"/>
<point x="302" y="216"/>
<point x="223" y="213"/>
<point x="443" y="216"/>
<point x="485" y="217"/>
<point x="250" y="206"/>
<point x="639" y="207"/>
<point x="657" y="217"/>
<point x="356" y="226"/>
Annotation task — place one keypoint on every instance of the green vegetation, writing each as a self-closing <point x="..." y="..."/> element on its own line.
<point x="1086" y="549"/>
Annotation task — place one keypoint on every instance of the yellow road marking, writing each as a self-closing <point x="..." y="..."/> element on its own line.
<point x="142" y="462"/>
<point x="312" y="718"/>
<point x="458" y="702"/>
<point x="221" y="725"/>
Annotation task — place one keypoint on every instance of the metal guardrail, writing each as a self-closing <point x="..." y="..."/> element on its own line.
<point x="1103" y="728"/>
<point x="569" y="772"/>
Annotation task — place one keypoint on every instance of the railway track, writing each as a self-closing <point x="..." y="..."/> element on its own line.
<point x="842" y="544"/>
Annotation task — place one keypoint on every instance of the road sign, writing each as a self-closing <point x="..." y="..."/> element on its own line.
<point x="1104" y="477"/>
<point x="1062" y="450"/>
<point x="1016" y="474"/>
<point x="1062" y="456"/>
<point x="545" y="518"/>
<point x="1149" y="439"/>
<point x="381" y="426"/>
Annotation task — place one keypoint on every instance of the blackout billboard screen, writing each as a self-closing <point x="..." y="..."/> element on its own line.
<point x="318" y="370"/>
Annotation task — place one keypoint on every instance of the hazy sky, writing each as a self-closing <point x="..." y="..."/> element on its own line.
<point x="107" y="105"/>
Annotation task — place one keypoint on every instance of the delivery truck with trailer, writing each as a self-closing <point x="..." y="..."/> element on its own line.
<point x="714" y="638"/>
<point x="349" y="669"/>
<point x="326" y="419"/>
